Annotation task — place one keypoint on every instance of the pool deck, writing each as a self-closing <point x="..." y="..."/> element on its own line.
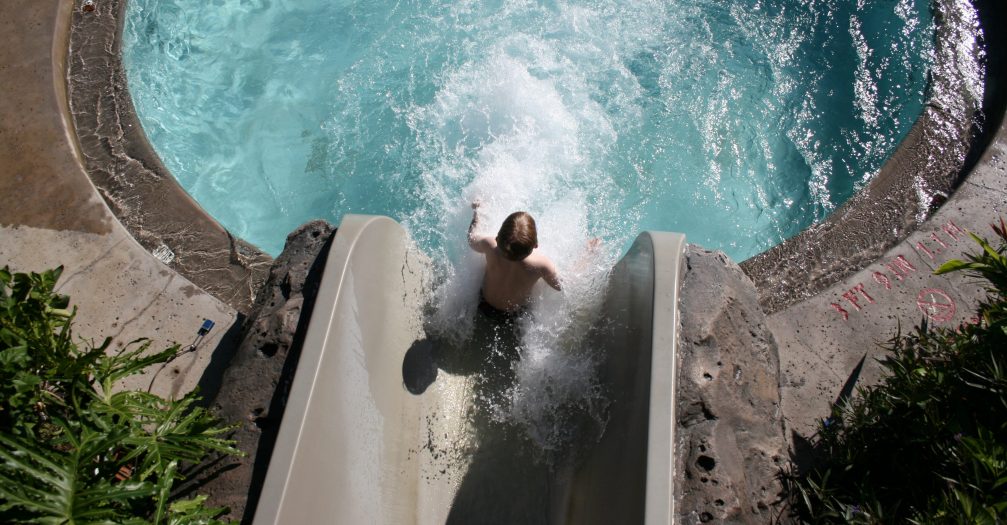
<point x="51" y="214"/>
<point x="821" y="340"/>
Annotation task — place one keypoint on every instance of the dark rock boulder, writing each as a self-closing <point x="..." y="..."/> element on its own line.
<point x="255" y="385"/>
<point x="730" y="427"/>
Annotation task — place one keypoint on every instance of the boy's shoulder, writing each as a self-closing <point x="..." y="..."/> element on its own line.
<point x="539" y="260"/>
<point x="484" y="244"/>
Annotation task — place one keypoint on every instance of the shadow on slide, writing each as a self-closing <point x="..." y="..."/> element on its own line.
<point x="506" y="481"/>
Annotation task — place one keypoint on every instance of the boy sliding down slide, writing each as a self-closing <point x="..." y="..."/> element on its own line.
<point x="513" y="263"/>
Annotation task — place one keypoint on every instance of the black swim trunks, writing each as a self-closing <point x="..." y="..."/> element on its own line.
<point x="495" y="314"/>
<point x="498" y="333"/>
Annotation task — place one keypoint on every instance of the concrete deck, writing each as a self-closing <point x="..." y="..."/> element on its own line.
<point x="823" y="339"/>
<point x="51" y="214"/>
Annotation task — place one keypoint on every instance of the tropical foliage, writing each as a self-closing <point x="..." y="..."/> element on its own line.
<point x="928" y="444"/>
<point x="74" y="449"/>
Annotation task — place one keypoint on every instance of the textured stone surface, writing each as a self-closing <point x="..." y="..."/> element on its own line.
<point x="730" y="428"/>
<point x="142" y="193"/>
<point x="255" y="385"/>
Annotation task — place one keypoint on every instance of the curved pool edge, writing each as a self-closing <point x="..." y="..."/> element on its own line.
<point x="130" y="176"/>
<point x="154" y="207"/>
<point x="51" y="215"/>
<point x="889" y="209"/>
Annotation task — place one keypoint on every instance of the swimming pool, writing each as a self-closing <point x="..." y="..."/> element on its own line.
<point x="739" y="123"/>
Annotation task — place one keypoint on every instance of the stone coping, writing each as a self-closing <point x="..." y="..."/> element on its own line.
<point x="935" y="155"/>
<point x="933" y="159"/>
<point x="129" y="175"/>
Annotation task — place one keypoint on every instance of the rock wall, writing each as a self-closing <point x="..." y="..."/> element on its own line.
<point x="730" y="431"/>
<point x="254" y="387"/>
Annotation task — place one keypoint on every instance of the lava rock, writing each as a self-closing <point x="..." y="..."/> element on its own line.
<point x="730" y="427"/>
<point x="254" y="387"/>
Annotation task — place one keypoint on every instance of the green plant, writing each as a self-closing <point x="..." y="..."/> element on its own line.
<point x="927" y="444"/>
<point x="989" y="264"/>
<point x="73" y="449"/>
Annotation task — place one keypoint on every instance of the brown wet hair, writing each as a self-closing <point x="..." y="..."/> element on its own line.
<point x="517" y="236"/>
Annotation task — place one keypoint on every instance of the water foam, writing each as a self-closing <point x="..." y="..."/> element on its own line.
<point x="514" y="131"/>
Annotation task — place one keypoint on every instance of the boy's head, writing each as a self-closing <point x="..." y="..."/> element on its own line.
<point x="517" y="236"/>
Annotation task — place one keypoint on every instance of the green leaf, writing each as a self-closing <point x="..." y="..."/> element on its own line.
<point x="194" y="512"/>
<point x="164" y="484"/>
<point x="15" y="357"/>
<point x="953" y="265"/>
<point x="130" y="361"/>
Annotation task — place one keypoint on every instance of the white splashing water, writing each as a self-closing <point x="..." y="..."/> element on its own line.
<point x="516" y="131"/>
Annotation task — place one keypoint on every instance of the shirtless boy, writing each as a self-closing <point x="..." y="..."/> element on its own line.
<point x="513" y="262"/>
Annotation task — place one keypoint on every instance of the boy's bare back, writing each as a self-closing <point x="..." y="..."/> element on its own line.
<point x="507" y="284"/>
<point x="510" y="276"/>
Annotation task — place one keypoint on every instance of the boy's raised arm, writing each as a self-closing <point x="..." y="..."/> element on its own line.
<point x="479" y="243"/>
<point x="551" y="275"/>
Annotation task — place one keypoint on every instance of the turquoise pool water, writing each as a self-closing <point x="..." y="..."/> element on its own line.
<point x="736" y="122"/>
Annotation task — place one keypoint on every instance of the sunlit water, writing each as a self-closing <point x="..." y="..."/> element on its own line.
<point x="738" y="123"/>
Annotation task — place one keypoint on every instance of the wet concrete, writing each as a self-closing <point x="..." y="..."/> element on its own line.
<point x="51" y="214"/>
<point x="31" y="123"/>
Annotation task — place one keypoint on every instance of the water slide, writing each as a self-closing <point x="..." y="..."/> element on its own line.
<point x="378" y="430"/>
